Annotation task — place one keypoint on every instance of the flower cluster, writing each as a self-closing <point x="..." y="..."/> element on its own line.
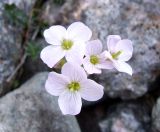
<point x="83" y="57"/>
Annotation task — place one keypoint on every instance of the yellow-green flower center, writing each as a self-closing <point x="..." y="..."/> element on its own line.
<point x="74" y="86"/>
<point x="67" y="44"/>
<point x="94" y="59"/>
<point x="115" y="55"/>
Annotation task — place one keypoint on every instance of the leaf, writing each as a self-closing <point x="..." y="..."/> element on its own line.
<point x="15" y="16"/>
<point x="33" y="50"/>
<point x="59" y="2"/>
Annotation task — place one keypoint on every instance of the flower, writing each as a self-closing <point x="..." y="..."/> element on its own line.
<point x="68" y="43"/>
<point x="71" y="86"/>
<point x="94" y="59"/>
<point x="119" y="51"/>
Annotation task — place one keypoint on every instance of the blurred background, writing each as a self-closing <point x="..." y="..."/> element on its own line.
<point x="130" y="103"/>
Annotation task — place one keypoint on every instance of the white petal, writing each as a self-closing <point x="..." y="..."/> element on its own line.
<point x="51" y="55"/>
<point x="56" y="83"/>
<point x="76" y="54"/>
<point x="74" y="72"/>
<point x="90" y="68"/>
<point x="126" y="47"/>
<point x="93" y="47"/>
<point x="105" y="65"/>
<point x="112" y="41"/>
<point x="70" y="102"/>
<point x="91" y="91"/>
<point x="105" y="61"/>
<point x="55" y="34"/>
<point x="123" y="67"/>
<point x="79" y="31"/>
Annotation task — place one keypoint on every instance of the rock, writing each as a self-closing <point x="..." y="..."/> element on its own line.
<point x="10" y="45"/>
<point x="31" y="109"/>
<point x="156" y="116"/>
<point x="61" y="14"/>
<point x="126" y="117"/>
<point x="138" y="20"/>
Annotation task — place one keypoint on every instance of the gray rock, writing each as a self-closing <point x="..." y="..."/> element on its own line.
<point x="61" y="14"/>
<point x="10" y="46"/>
<point x="139" y="21"/>
<point x="126" y="117"/>
<point x="156" y="116"/>
<point x="31" y="109"/>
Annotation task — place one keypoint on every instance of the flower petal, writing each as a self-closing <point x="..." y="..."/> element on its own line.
<point x="79" y="31"/>
<point x="74" y="72"/>
<point x="107" y="55"/>
<point x="91" y="91"/>
<point x="51" y="55"/>
<point x="93" y="47"/>
<point x="105" y="61"/>
<point x="70" y="102"/>
<point x="90" y="68"/>
<point x="56" y="83"/>
<point x="126" y="47"/>
<point x="112" y="41"/>
<point x="55" y="34"/>
<point x="123" y="67"/>
<point x="76" y="54"/>
<point x="105" y="65"/>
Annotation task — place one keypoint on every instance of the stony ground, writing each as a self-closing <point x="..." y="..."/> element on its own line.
<point x="130" y="104"/>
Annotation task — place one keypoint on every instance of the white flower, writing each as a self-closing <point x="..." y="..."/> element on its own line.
<point x="69" y="43"/>
<point x="94" y="59"/>
<point x="70" y="86"/>
<point x="119" y="51"/>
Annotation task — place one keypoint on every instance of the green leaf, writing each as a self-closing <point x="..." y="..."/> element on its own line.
<point x="59" y="2"/>
<point x="33" y="50"/>
<point x="15" y="16"/>
<point x="16" y="83"/>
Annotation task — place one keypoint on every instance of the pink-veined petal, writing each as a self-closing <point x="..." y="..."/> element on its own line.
<point x="74" y="72"/>
<point x="51" y="55"/>
<point x="79" y="32"/>
<point x="123" y="67"/>
<point x="125" y="46"/>
<point x="112" y="41"/>
<point x="90" y="68"/>
<point x="70" y="102"/>
<point x="93" y="47"/>
<point x="56" y="83"/>
<point x="55" y="34"/>
<point x="91" y="91"/>
<point x="76" y="54"/>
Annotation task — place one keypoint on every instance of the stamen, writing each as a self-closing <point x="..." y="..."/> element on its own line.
<point x="94" y="59"/>
<point x="115" y="55"/>
<point x="74" y="86"/>
<point x="67" y="44"/>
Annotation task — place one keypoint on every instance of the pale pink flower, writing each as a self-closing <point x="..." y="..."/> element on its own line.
<point x="71" y="86"/>
<point x="68" y="43"/>
<point x="95" y="59"/>
<point x="119" y="51"/>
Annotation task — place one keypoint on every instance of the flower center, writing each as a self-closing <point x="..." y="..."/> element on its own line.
<point x="115" y="55"/>
<point x="74" y="86"/>
<point x="67" y="44"/>
<point x="94" y="59"/>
